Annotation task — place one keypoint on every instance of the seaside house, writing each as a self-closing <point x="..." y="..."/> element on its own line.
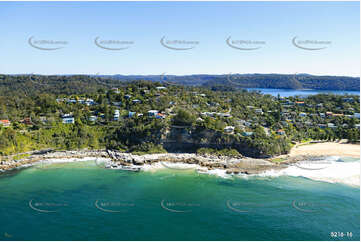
<point x="302" y="114"/>
<point x="152" y="113"/>
<point x="160" y="115"/>
<point x="93" y="118"/>
<point x="26" y="121"/>
<point x="5" y="123"/>
<point x="258" y="110"/>
<point x="348" y="99"/>
<point x="68" y="119"/>
<point x="247" y="134"/>
<point x="229" y="129"/>
<point x="116" y="115"/>
<point x="161" y="88"/>
<point x="331" y="125"/>
<point x="117" y="104"/>
<point x="322" y="126"/>
<point x="116" y="90"/>
<point x="131" y="114"/>
<point x="329" y="113"/>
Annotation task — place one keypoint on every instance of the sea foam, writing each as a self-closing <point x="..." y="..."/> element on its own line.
<point x="333" y="170"/>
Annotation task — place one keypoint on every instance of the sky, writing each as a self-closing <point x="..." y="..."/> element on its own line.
<point x="321" y="38"/>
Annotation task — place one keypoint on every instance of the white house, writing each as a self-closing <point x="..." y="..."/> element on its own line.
<point x="229" y="129"/>
<point x="152" y="113"/>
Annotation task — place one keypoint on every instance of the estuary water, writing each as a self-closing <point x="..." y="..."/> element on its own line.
<point x="293" y="92"/>
<point x="82" y="201"/>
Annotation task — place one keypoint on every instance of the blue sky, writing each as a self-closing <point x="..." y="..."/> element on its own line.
<point x="273" y="24"/>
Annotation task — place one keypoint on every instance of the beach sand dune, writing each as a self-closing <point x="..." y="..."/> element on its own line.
<point x="327" y="149"/>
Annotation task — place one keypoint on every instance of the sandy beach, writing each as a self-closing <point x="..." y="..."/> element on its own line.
<point x="327" y="149"/>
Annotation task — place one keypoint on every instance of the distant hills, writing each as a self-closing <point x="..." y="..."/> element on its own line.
<point x="284" y="81"/>
<point x="30" y="84"/>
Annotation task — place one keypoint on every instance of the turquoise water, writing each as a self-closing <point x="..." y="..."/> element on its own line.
<point x="293" y="92"/>
<point x="80" y="201"/>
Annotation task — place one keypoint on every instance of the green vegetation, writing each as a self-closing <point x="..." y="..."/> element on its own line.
<point x="222" y="152"/>
<point x="150" y="117"/>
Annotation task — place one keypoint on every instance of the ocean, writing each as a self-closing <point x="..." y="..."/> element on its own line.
<point x="82" y="201"/>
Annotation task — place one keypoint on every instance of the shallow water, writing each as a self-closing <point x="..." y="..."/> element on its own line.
<point x="81" y="201"/>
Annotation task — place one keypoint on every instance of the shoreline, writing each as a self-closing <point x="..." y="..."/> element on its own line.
<point x="202" y="163"/>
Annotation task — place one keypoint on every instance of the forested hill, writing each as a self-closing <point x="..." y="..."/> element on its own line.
<point x="71" y="84"/>
<point x="299" y="81"/>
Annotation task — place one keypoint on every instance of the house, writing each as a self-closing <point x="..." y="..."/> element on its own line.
<point x="127" y="96"/>
<point x="329" y="113"/>
<point x="337" y="115"/>
<point x="139" y="115"/>
<point x="348" y="99"/>
<point x="322" y="126"/>
<point x="224" y="115"/>
<point x="71" y="101"/>
<point x="116" y="90"/>
<point x="300" y="103"/>
<point x="331" y="125"/>
<point x="118" y="104"/>
<point x="26" y="121"/>
<point x="116" y="115"/>
<point x="131" y="114"/>
<point x="160" y="116"/>
<point x="322" y="115"/>
<point x="135" y="101"/>
<point x="89" y="102"/>
<point x="356" y="115"/>
<point x="161" y="88"/>
<point x="247" y="133"/>
<point x="93" y="118"/>
<point x="229" y="129"/>
<point x="5" y="123"/>
<point x="43" y="119"/>
<point x="302" y="114"/>
<point x="357" y="126"/>
<point x="258" y="110"/>
<point x="152" y="113"/>
<point x="67" y="119"/>
<point x="319" y="105"/>
<point x="281" y="132"/>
